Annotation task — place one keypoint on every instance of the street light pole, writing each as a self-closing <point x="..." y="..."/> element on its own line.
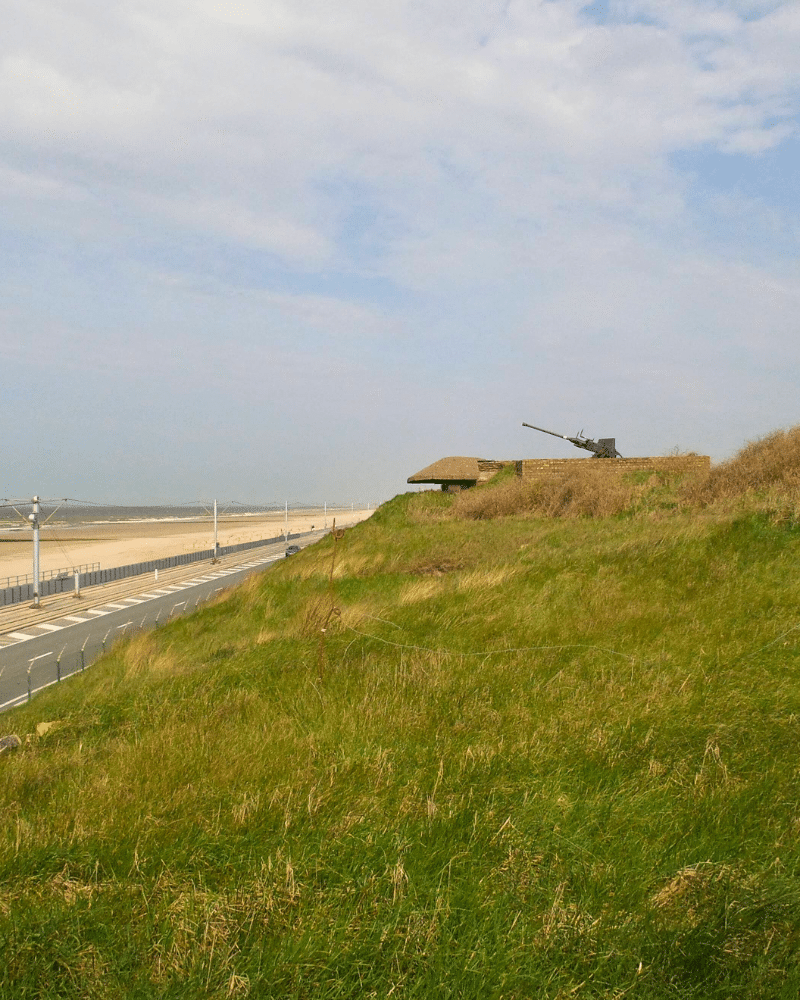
<point x="216" y="546"/>
<point x="34" y="519"/>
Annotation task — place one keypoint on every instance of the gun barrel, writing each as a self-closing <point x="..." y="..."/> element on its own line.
<point x="542" y="429"/>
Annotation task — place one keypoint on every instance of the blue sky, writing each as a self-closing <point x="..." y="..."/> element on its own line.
<point x="290" y="249"/>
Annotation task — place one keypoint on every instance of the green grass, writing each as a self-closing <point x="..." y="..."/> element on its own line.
<point x="526" y="758"/>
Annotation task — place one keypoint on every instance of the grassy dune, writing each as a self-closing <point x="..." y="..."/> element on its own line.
<point x="444" y="755"/>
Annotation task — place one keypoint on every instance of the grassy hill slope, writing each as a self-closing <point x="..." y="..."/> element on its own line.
<point x="434" y="757"/>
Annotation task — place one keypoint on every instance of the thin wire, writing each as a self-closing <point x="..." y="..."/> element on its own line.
<point x="527" y="649"/>
<point x="490" y="652"/>
<point x="57" y="509"/>
<point x="783" y="635"/>
<point x="270" y="506"/>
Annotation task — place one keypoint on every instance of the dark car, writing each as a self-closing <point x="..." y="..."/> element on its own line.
<point x="292" y="550"/>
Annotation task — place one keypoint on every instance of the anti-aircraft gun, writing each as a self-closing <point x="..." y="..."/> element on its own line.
<point x="604" y="448"/>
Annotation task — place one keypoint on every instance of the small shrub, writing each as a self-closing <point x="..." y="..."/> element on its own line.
<point x="773" y="462"/>
<point x="586" y="491"/>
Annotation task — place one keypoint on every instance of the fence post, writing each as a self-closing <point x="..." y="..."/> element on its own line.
<point x="77" y="585"/>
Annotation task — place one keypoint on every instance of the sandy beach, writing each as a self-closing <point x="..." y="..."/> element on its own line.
<point x="120" y="543"/>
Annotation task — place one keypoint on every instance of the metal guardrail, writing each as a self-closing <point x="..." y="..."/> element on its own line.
<point x="65" y="584"/>
<point x="50" y="574"/>
<point x="51" y="668"/>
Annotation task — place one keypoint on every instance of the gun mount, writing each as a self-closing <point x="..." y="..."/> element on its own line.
<point x="604" y="448"/>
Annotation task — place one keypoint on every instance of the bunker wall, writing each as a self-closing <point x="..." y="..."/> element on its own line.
<point x="556" y="468"/>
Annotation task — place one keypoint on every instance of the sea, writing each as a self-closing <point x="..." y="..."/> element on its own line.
<point x="73" y="514"/>
<point x="15" y="515"/>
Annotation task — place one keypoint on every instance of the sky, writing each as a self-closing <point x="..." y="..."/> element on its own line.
<point x="294" y="249"/>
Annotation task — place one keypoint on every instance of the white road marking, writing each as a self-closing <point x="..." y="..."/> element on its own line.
<point x="8" y="638"/>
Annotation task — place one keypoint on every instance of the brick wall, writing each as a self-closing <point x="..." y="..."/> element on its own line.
<point x="553" y="468"/>
<point x="487" y="468"/>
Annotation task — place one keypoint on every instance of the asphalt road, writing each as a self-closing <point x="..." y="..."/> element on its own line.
<point x="35" y="656"/>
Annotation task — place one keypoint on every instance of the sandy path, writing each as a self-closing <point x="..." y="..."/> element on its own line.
<point x="124" y="542"/>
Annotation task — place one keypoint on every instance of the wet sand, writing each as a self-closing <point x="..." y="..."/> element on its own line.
<point x="123" y="542"/>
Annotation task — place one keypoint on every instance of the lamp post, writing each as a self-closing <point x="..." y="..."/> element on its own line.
<point x="34" y="519"/>
<point x="216" y="543"/>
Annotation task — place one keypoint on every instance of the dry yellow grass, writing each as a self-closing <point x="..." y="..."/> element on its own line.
<point x="484" y="580"/>
<point x="421" y="590"/>
<point x="583" y="492"/>
<point x="765" y="474"/>
<point x="772" y="462"/>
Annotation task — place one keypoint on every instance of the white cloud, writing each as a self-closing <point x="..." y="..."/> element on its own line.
<point x="273" y="98"/>
<point x="26" y="184"/>
<point x="413" y="172"/>
<point x="240" y="224"/>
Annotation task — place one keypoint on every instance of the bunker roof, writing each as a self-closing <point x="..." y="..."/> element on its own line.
<point x="455" y="469"/>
